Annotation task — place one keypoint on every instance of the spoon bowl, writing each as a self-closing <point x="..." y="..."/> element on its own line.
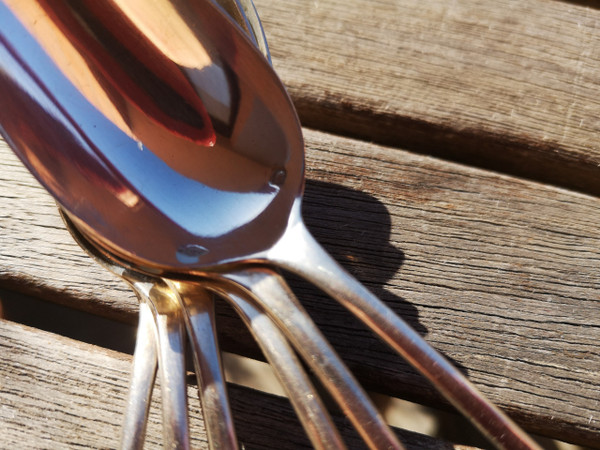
<point x="121" y="121"/>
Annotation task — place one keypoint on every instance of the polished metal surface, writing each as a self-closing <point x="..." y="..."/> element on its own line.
<point x="198" y="309"/>
<point x="169" y="140"/>
<point x="162" y="125"/>
<point x="197" y="306"/>
<point x="243" y="13"/>
<point x="143" y="375"/>
<point x="268" y="289"/>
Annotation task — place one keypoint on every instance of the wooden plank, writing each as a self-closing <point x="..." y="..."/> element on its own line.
<point x="508" y="85"/>
<point x="498" y="273"/>
<point x="60" y="393"/>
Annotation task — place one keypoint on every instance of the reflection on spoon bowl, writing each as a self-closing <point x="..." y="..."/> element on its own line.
<point x="185" y="149"/>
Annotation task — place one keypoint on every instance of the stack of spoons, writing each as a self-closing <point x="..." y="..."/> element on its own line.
<point x="177" y="159"/>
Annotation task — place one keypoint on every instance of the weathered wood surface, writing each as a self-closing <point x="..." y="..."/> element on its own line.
<point x="59" y="393"/>
<point x="511" y="85"/>
<point x="500" y="274"/>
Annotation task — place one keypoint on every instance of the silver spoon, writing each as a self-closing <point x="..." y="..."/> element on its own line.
<point x="243" y="12"/>
<point x="372" y="421"/>
<point x="200" y="119"/>
<point x="143" y="374"/>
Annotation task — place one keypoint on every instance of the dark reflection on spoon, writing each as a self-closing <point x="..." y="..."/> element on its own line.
<point x="129" y="67"/>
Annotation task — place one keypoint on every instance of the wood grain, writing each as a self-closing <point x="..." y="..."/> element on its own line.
<point x="59" y="393"/>
<point x="509" y="85"/>
<point x="499" y="274"/>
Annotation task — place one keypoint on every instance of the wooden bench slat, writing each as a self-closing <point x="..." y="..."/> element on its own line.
<point x="56" y="392"/>
<point x="498" y="273"/>
<point x="508" y="85"/>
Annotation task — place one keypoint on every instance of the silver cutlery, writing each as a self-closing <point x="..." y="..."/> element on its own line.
<point x="303" y="396"/>
<point x="201" y="329"/>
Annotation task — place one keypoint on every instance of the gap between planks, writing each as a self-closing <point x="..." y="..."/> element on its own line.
<point x="57" y="392"/>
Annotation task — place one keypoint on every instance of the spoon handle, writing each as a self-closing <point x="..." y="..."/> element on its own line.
<point x="304" y="398"/>
<point x="171" y="362"/>
<point x="143" y="374"/>
<point x="269" y="289"/>
<point x="313" y="263"/>
<point x="198" y="305"/>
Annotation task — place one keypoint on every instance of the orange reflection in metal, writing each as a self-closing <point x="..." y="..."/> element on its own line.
<point x="109" y="52"/>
